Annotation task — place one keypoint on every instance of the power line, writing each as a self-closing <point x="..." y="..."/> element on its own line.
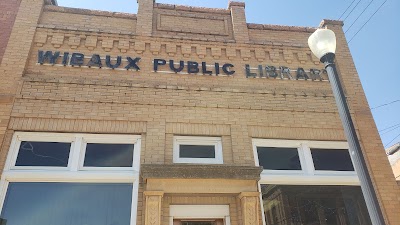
<point x="367" y="21"/>
<point x="352" y="10"/>
<point x="390" y="127"/>
<point x="347" y="9"/>
<point x="392" y="140"/>
<point x="386" y="104"/>
<point x="390" y="130"/>
<point x="359" y="16"/>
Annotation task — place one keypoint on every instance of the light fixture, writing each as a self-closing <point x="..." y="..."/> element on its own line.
<point x="322" y="42"/>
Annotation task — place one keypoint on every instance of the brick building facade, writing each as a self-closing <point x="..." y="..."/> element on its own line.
<point x="189" y="135"/>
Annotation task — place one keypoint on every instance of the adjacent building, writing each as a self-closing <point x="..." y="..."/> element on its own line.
<point x="394" y="158"/>
<point x="177" y="115"/>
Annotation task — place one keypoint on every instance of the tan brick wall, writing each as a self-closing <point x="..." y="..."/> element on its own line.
<point x="8" y="13"/>
<point x="160" y="105"/>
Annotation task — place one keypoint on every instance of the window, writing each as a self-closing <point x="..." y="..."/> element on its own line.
<point x="309" y="182"/>
<point x="327" y="205"/>
<point x="332" y="159"/>
<point x="279" y="158"/>
<point x="305" y="160"/>
<point x="74" y="178"/>
<point x="205" y="150"/>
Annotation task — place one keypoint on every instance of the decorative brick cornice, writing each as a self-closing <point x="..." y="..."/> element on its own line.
<point x="331" y="22"/>
<point x="53" y="8"/>
<point x="189" y="171"/>
<point x="191" y="9"/>
<point x="280" y="28"/>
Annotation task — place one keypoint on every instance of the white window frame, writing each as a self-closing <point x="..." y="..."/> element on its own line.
<point x="74" y="172"/>
<point x="195" y="140"/>
<point x="308" y="175"/>
<point x="199" y="212"/>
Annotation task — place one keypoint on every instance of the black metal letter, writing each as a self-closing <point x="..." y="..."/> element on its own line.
<point x="42" y="57"/>
<point x="95" y="61"/>
<point x="116" y="65"/>
<point x="204" y="68"/>
<point x="261" y="70"/>
<point x="217" y="69"/>
<point x="65" y="58"/>
<point x="285" y="71"/>
<point x="271" y="71"/>
<point x="176" y="70"/>
<point x="301" y="74"/>
<point x="227" y="69"/>
<point x="249" y="73"/>
<point x="316" y="73"/>
<point x="193" y="67"/>
<point x="77" y="59"/>
<point x="132" y="63"/>
<point x="158" y="62"/>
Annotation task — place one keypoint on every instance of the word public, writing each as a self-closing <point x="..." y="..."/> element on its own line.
<point x="194" y="67"/>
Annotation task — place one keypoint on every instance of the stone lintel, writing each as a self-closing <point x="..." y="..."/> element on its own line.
<point x="189" y="171"/>
<point x="153" y="193"/>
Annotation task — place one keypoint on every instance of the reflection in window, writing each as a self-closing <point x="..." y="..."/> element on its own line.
<point x="314" y="205"/>
<point x="278" y="158"/>
<point x="43" y="154"/>
<point x="197" y="151"/>
<point x="332" y="159"/>
<point x="109" y="155"/>
<point x="67" y="203"/>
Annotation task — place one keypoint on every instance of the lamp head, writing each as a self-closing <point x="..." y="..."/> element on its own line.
<point x="322" y="42"/>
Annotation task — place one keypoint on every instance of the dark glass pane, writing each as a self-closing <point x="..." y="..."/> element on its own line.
<point x="278" y="158"/>
<point x="316" y="205"/>
<point x="67" y="203"/>
<point x="43" y="154"/>
<point x="332" y="159"/>
<point x="109" y="155"/>
<point x="197" y="151"/>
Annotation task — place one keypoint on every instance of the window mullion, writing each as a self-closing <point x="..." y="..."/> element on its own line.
<point x="76" y="153"/>
<point x="307" y="158"/>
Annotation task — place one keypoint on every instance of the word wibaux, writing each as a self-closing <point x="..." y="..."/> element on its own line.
<point x="78" y="59"/>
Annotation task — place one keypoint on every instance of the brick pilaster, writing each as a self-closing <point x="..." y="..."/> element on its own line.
<point x="153" y="207"/>
<point x="15" y="57"/>
<point x="145" y="17"/>
<point x="8" y="12"/>
<point x="250" y="207"/>
<point x="238" y="15"/>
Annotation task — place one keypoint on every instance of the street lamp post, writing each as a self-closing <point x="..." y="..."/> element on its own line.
<point x="323" y="45"/>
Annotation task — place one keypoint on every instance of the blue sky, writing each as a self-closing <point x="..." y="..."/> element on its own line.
<point x="375" y="49"/>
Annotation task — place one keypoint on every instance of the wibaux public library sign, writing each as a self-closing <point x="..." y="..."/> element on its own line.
<point x="178" y="67"/>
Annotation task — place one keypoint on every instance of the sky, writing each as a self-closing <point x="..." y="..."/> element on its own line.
<point x="374" y="49"/>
